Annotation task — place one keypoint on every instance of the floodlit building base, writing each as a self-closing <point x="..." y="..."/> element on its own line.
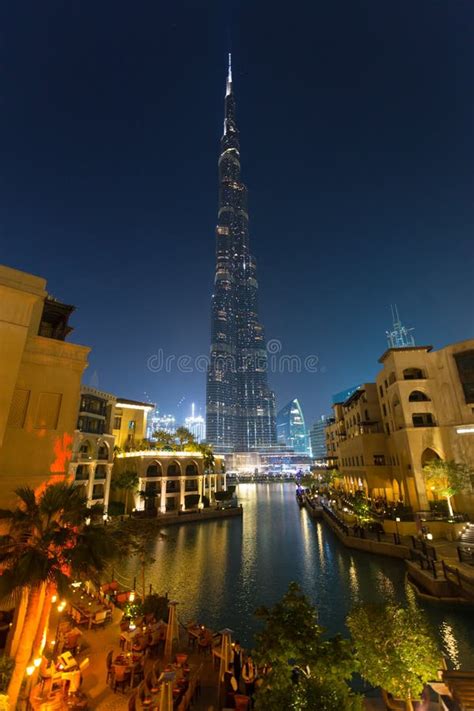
<point x="171" y="481"/>
<point x="267" y="463"/>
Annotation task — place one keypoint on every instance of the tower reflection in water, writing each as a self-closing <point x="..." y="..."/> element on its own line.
<point x="221" y="571"/>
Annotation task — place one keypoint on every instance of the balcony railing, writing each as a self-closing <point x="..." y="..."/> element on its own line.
<point x="84" y="476"/>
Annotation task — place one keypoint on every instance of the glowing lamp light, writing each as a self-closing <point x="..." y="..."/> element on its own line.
<point x="397" y="519"/>
<point x="132" y="626"/>
<point x="37" y="662"/>
<point x="429" y="536"/>
<point x="30" y="669"/>
<point x="54" y="598"/>
<point x="131" y="597"/>
<point x="88" y="521"/>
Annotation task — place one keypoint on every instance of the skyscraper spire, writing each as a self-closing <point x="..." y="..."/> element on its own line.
<point x="399" y="336"/>
<point x="229" y="76"/>
<point x="240" y="408"/>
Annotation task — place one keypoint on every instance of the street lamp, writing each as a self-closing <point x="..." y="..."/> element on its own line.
<point x="397" y="521"/>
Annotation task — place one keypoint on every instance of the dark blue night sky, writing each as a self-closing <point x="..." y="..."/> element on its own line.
<point x="356" y="120"/>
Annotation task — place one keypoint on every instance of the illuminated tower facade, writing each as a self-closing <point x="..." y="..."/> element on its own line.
<point x="240" y="408"/>
<point x="291" y="428"/>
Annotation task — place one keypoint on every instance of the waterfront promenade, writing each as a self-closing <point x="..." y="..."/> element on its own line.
<point x="435" y="568"/>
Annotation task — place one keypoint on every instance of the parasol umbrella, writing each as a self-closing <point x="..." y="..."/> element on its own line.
<point x="226" y="652"/>
<point x="172" y="633"/>
<point x="166" y="695"/>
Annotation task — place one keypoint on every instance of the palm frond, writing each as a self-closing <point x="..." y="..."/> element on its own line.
<point x="27" y="496"/>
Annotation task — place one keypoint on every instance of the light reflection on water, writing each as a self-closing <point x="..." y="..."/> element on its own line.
<point x="221" y="571"/>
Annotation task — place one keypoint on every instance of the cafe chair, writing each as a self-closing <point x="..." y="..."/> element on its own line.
<point x="108" y="663"/>
<point x="242" y="702"/>
<point x="120" y="678"/>
<point x="72" y="640"/>
<point x="122" y="597"/>
<point x="99" y="619"/>
<point x="139" y="672"/>
<point x="205" y="643"/>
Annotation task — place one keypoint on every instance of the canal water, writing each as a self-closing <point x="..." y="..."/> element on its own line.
<point x="221" y="571"/>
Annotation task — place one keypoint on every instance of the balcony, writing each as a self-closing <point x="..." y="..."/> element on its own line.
<point x="100" y="472"/>
<point x="82" y="473"/>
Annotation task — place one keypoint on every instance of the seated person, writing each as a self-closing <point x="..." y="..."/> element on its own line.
<point x="231" y="687"/>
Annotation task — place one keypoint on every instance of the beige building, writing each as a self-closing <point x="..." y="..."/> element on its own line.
<point x="169" y="481"/>
<point x="40" y="377"/>
<point x="130" y="421"/>
<point x="93" y="446"/>
<point x="421" y="407"/>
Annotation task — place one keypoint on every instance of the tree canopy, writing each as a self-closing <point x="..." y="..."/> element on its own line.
<point x="292" y="644"/>
<point x="447" y="478"/>
<point x="394" y="648"/>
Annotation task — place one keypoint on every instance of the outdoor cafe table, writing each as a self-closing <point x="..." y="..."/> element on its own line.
<point x="130" y="662"/>
<point x="195" y="632"/>
<point x="88" y="609"/>
<point x="151" y="701"/>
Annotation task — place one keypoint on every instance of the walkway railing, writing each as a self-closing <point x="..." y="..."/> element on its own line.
<point x="440" y="569"/>
<point x="466" y="555"/>
<point x="419" y="544"/>
<point x="334" y="517"/>
<point x="459" y="579"/>
<point x="362" y="532"/>
<point x="425" y="563"/>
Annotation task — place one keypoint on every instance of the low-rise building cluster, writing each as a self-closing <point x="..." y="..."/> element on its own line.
<point x="51" y="425"/>
<point x="420" y="408"/>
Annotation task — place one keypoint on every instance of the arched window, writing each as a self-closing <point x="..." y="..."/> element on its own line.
<point x="85" y="448"/>
<point x="100" y="472"/>
<point x="103" y="451"/>
<point x="413" y="374"/>
<point x="418" y="396"/>
<point x="397" y="413"/>
<point x="173" y="469"/>
<point x="428" y="456"/>
<point x="154" y="469"/>
<point x="191" y="469"/>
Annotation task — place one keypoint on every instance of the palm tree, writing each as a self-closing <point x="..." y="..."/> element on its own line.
<point x="208" y="458"/>
<point x="209" y="463"/>
<point x="164" y="440"/>
<point x="48" y="542"/>
<point x="126" y="481"/>
<point x="185" y="438"/>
